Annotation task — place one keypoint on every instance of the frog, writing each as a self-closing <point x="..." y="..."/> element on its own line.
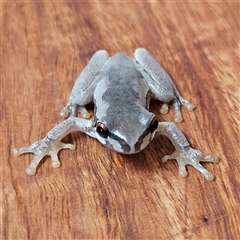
<point x="120" y="88"/>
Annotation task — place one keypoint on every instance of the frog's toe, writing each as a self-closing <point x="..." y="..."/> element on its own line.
<point x="32" y="168"/>
<point x="183" y="172"/>
<point x="164" y="109"/>
<point x="85" y="114"/>
<point x="55" y="148"/>
<point x="65" y="112"/>
<point x="187" y="104"/>
<point x="182" y="167"/>
<point x="166" y="157"/>
<point x="177" y="111"/>
<point x="19" y="151"/>
<point x="67" y="145"/>
<point x="211" y="158"/>
<point x="55" y="162"/>
<point x="207" y="175"/>
<point x="22" y="150"/>
<point x="178" y="116"/>
<point x="71" y="109"/>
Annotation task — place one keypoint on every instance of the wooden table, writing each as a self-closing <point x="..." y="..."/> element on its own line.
<point x="97" y="193"/>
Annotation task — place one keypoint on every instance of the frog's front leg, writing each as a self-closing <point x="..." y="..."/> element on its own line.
<point x="184" y="154"/>
<point x="52" y="144"/>
<point x="83" y="88"/>
<point x="160" y="84"/>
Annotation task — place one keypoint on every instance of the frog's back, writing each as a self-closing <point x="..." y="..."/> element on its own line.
<point x="121" y="89"/>
<point x="123" y="81"/>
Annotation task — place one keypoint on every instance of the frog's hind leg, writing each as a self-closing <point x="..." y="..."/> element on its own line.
<point x="82" y="92"/>
<point x="160" y="84"/>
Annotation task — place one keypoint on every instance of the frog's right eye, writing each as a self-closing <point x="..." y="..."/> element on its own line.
<point x="102" y="130"/>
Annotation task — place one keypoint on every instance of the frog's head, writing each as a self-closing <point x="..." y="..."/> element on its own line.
<point x="126" y="132"/>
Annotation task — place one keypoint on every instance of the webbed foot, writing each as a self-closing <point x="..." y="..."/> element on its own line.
<point x="192" y="157"/>
<point x="40" y="149"/>
<point x="177" y="108"/>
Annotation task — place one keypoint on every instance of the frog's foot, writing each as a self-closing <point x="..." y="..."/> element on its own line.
<point x="72" y="110"/>
<point x="177" y="103"/>
<point x="192" y="157"/>
<point x="40" y="149"/>
<point x="69" y="110"/>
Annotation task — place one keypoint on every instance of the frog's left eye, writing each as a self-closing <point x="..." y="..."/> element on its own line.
<point x="102" y="130"/>
<point x="153" y="125"/>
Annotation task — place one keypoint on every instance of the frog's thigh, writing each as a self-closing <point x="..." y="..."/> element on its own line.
<point x="158" y="92"/>
<point x="83" y="89"/>
<point x="158" y="80"/>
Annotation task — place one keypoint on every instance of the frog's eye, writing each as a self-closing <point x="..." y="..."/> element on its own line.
<point x="102" y="130"/>
<point x="153" y="125"/>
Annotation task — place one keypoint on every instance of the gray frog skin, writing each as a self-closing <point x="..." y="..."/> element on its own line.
<point x="121" y="89"/>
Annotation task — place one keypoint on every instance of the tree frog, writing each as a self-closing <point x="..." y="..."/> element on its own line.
<point x="121" y="88"/>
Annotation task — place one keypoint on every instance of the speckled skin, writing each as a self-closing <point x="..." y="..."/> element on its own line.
<point x="121" y="89"/>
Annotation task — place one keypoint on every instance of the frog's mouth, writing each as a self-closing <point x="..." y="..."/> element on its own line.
<point x="118" y="144"/>
<point x="144" y="140"/>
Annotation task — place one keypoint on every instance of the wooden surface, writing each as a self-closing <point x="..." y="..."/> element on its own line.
<point x="97" y="193"/>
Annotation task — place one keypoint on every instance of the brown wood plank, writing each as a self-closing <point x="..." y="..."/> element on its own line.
<point x="97" y="193"/>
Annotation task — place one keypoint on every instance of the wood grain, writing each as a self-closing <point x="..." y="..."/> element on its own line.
<point x="97" y="193"/>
